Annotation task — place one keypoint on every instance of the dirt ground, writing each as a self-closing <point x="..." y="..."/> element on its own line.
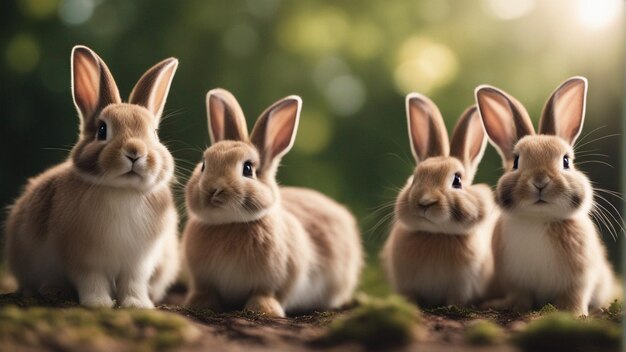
<point x="440" y="329"/>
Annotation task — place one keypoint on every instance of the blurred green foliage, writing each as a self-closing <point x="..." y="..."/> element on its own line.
<point x="351" y="61"/>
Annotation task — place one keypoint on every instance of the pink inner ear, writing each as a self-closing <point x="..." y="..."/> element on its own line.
<point x="569" y="110"/>
<point x="498" y="119"/>
<point x="86" y="82"/>
<point x="475" y="137"/>
<point x="217" y="111"/>
<point x="427" y="131"/>
<point x="280" y="129"/>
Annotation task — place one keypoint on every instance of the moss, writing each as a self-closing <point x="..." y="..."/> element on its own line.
<point x="376" y="323"/>
<point x="563" y="332"/>
<point x="614" y="312"/>
<point x="453" y="312"/>
<point x="483" y="332"/>
<point x="547" y="309"/>
<point x="96" y="329"/>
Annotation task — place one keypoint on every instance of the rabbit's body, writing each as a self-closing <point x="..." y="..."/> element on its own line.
<point x="441" y="269"/>
<point x="57" y="232"/>
<point x="553" y="271"/>
<point x="251" y="244"/>
<point x="103" y="223"/>
<point x="295" y="260"/>
<point x="546" y="246"/>
<point x="439" y="249"/>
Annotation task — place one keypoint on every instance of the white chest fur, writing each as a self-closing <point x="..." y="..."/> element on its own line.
<point x="530" y="261"/>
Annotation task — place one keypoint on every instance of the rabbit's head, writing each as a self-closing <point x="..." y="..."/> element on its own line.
<point x="439" y="196"/>
<point x="540" y="178"/>
<point x="235" y="182"/>
<point x="118" y="143"/>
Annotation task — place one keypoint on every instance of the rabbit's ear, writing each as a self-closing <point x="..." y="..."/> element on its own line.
<point x="469" y="140"/>
<point x="152" y="88"/>
<point x="564" y="113"/>
<point x="225" y="117"/>
<point x="505" y="119"/>
<point x="427" y="131"/>
<point x="93" y="87"/>
<point x="275" y="130"/>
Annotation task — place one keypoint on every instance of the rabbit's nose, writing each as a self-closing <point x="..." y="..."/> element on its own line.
<point x="214" y="196"/>
<point x="427" y="202"/>
<point x="134" y="150"/>
<point x="541" y="181"/>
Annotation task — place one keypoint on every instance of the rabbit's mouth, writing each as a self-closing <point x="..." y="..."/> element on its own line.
<point x="541" y="201"/>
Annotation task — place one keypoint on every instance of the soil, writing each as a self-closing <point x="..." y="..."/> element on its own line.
<point x="440" y="329"/>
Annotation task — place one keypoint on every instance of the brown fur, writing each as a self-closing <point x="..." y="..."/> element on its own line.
<point x="250" y="244"/>
<point x="94" y="222"/>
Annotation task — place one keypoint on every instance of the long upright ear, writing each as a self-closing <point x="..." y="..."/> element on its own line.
<point x="505" y="119"/>
<point x="152" y="88"/>
<point x="427" y="131"/>
<point x="225" y="117"/>
<point x="275" y="130"/>
<point x="93" y="87"/>
<point x="564" y="112"/>
<point x="469" y="140"/>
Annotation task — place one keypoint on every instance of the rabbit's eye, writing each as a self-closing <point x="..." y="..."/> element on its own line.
<point x="566" y="162"/>
<point x="202" y="169"/>
<point x="516" y="162"/>
<point x="102" y="131"/>
<point x="456" y="183"/>
<point x="247" y="169"/>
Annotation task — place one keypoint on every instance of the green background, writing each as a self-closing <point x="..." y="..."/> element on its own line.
<point x="352" y="62"/>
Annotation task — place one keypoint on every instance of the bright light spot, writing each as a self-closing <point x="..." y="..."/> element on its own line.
<point x="22" y="53"/>
<point x="241" y="40"/>
<point x="424" y="65"/>
<point x="598" y="13"/>
<point x="510" y="9"/>
<point x="345" y="95"/>
<point x="366" y="40"/>
<point x="315" y="33"/>
<point x="314" y="133"/>
<point x="38" y="9"/>
<point x="75" y="12"/>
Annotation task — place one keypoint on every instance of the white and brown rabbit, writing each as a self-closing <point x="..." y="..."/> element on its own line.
<point x="103" y="223"/>
<point x="252" y="244"/>
<point x="439" y="249"/>
<point x="546" y="247"/>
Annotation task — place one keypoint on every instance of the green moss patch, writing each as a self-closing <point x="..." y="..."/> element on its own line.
<point x="376" y="323"/>
<point x="564" y="332"/>
<point x="99" y="329"/>
<point x="613" y="312"/>
<point x="483" y="332"/>
<point x="454" y="312"/>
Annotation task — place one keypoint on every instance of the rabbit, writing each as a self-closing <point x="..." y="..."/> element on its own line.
<point x="250" y="244"/>
<point x="102" y="224"/>
<point x="546" y="247"/>
<point x="439" y="249"/>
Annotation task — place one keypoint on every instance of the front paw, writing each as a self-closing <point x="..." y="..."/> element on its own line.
<point x="97" y="302"/>
<point x="136" y="302"/>
<point x="265" y="305"/>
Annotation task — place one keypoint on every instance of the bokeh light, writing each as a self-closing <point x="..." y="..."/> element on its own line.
<point x="599" y="13"/>
<point x="510" y="9"/>
<point x="22" y="53"/>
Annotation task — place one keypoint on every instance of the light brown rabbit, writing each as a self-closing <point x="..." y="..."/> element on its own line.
<point x="251" y="244"/>
<point x="546" y="247"/>
<point x="102" y="223"/>
<point x="439" y="249"/>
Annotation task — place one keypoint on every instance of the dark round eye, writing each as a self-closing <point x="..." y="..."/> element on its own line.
<point x="566" y="162"/>
<point x="456" y="183"/>
<point x="516" y="162"/>
<point x="247" y="169"/>
<point x="202" y="169"/>
<point x="102" y="131"/>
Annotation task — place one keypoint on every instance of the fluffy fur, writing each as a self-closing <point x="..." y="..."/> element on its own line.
<point x="251" y="244"/>
<point x="103" y="223"/>
<point x="439" y="249"/>
<point x="546" y="247"/>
